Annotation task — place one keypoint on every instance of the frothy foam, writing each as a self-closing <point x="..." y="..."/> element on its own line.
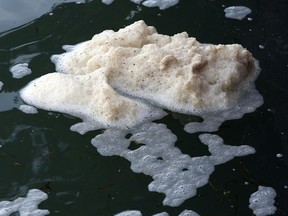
<point x="88" y="97"/>
<point x="237" y="12"/>
<point x="20" y="70"/>
<point x="175" y="174"/>
<point x="25" y="206"/>
<point x="121" y="80"/>
<point x="130" y="213"/>
<point x="172" y="72"/>
<point x="1" y="85"/>
<point x="262" y="201"/>
<point x="138" y="213"/>
<point x="28" y="109"/>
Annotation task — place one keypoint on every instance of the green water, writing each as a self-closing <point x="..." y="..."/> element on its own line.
<point x="39" y="151"/>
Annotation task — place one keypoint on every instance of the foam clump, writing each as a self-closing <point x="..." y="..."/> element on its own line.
<point x="174" y="72"/>
<point x="20" y="70"/>
<point x="262" y="201"/>
<point x="101" y="78"/>
<point x="175" y="174"/>
<point x="237" y="12"/>
<point x="28" y="109"/>
<point x="25" y="206"/>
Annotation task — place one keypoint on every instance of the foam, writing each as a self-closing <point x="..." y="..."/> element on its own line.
<point x="237" y="12"/>
<point x="138" y="213"/>
<point x="25" y="205"/>
<point x="188" y="213"/>
<point x="161" y="214"/>
<point x="1" y="85"/>
<point x="175" y="174"/>
<point x="162" y="4"/>
<point x="88" y="97"/>
<point x="262" y="201"/>
<point x="108" y="2"/>
<point x="130" y="213"/>
<point x="28" y="109"/>
<point x="247" y="104"/>
<point x="173" y="72"/>
<point x="20" y="70"/>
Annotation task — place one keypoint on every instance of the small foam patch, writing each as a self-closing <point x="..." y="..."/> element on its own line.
<point x="237" y="12"/>
<point x="130" y="213"/>
<point x="20" y="70"/>
<point x="25" y="206"/>
<point x="28" y="109"/>
<point x="188" y="213"/>
<point x="262" y="201"/>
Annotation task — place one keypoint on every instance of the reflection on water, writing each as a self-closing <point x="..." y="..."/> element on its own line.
<point x="9" y="100"/>
<point x="16" y="13"/>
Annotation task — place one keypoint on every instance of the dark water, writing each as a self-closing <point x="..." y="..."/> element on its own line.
<point x="39" y="151"/>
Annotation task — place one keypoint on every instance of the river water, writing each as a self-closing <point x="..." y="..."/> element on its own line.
<point x="39" y="151"/>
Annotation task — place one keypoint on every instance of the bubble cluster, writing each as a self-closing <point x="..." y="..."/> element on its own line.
<point x="175" y="174"/>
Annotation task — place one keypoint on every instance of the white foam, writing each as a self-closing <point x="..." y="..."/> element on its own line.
<point x="188" y="213"/>
<point x="20" y="70"/>
<point x="130" y="213"/>
<point x="175" y="174"/>
<point x="162" y="4"/>
<point x="28" y="109"/>
<point x="108" y="2"/>
<point x="161" y="214"/>
<point x="138" y="213"/>
<point x="25" y="205"/>
<point x="1" y="85"/>
<point x="237" y="12"/>
<point x="262" y="201"/>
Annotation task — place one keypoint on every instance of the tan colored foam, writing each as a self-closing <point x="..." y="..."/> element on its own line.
<point x="173" y="72"/>
<point x="176" y="72"/>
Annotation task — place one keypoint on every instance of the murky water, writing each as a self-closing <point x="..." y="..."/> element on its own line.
<point x="39" y="151"/>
